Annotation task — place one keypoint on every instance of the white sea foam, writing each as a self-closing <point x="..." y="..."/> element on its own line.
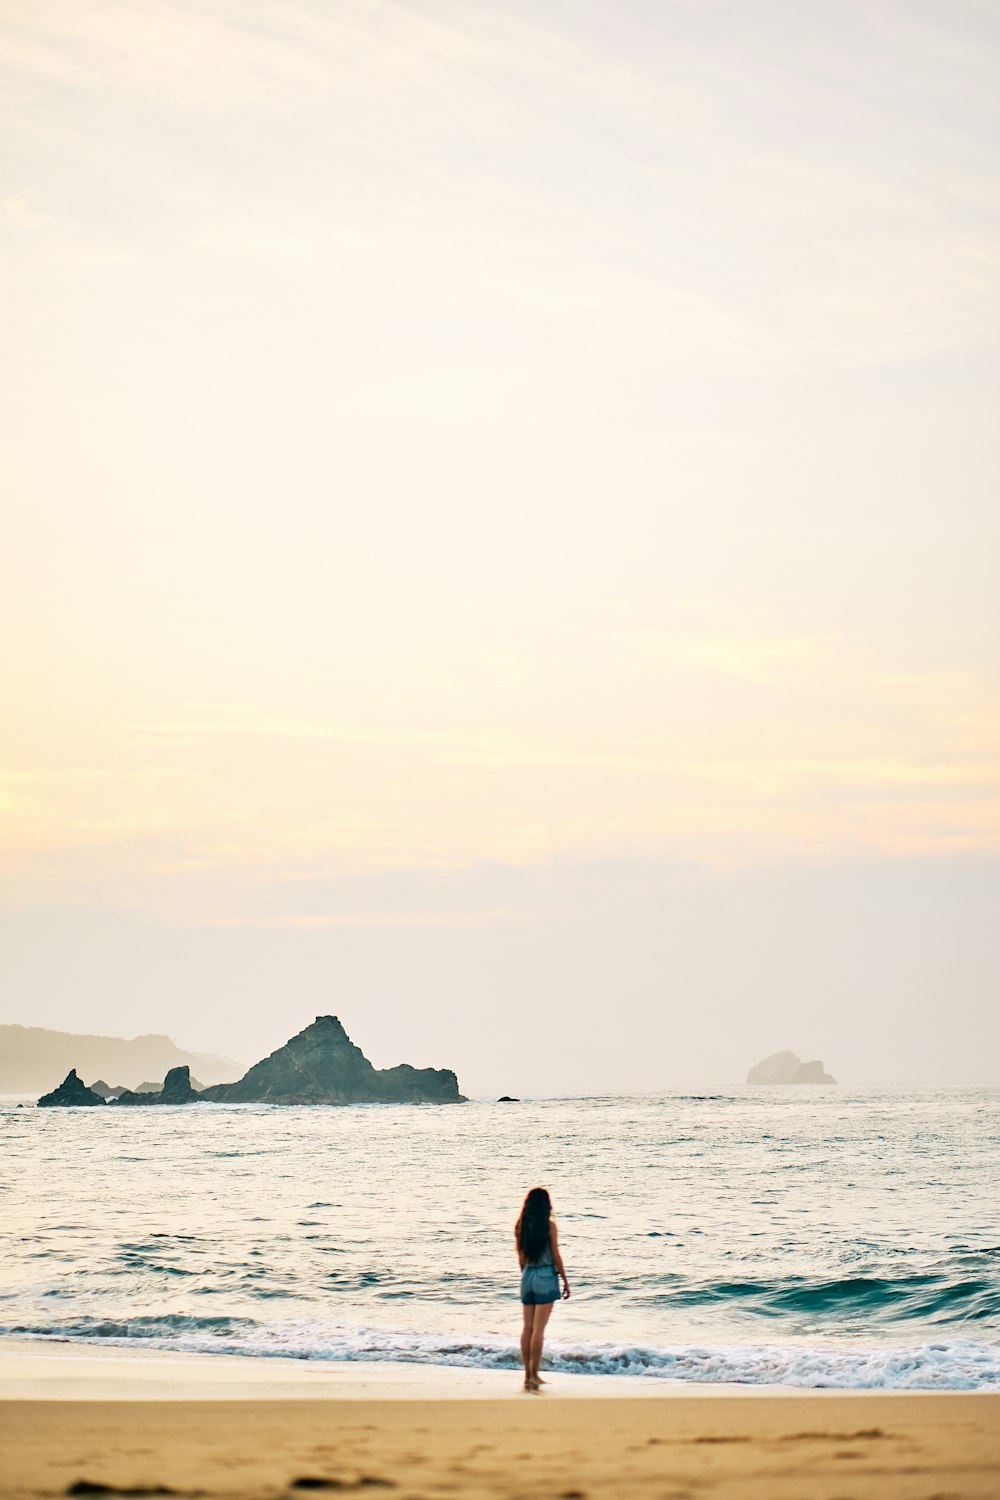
<point x="954" y="1364"/>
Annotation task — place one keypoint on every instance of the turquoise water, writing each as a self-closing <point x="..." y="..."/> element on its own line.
<point x="821" y="1237"/>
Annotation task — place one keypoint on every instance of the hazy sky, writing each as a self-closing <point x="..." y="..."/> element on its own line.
<point x="500" y="531"/>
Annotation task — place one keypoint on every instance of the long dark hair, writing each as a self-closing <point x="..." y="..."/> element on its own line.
<point x="532" y="1228"/>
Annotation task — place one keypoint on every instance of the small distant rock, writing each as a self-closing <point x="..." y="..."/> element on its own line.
<point x="177" y="1089"/>
<point x="508" y="1099"/>
<point x="813" y="1072"/>
<point x="70" y="1094"/>
<point x="780" y="1067"/>
<point x="786" y="1067"/>
<point x="152" y="1088"/>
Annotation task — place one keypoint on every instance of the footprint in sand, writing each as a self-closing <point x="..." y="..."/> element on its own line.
<point x="327" y="1482"/>
<point x="95" y="1487"/>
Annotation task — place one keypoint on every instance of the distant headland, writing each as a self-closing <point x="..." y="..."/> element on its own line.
<point x="321" y="1065"/>
<point x="31" y="1056"/>
<point x="785" y="1067"/>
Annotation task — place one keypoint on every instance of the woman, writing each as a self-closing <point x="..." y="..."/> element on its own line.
<point x="541" y="1265"/>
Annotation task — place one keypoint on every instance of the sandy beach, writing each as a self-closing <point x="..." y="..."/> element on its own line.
<point x="78" y="1423"/>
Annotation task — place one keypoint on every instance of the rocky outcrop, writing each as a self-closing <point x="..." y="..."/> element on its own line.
<point x="176" y="1089"/>
<point x="321" y="1065"/>
<point x="108" y="1091"/>
<point x="70" y="1094"/>
<point x="405" y="1084"/>
<point x="786" y="1067"/>
<point x="508" y="1099"/>
<point x="157" y="1088"/>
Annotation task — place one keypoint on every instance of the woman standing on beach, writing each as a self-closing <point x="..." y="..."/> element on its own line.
<point x="541" y="1265"/>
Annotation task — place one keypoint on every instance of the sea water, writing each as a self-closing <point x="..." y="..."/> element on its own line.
<point x="810" y="1237"/>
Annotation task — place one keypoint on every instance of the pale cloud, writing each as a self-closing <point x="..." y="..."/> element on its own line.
<point x="482" y="917"/>
<point x="93" y="257"/>
<point x="16" y="213"/>
<point x="448" y="435"/>
<point x="787" y="748"/>
<point x="742" y="656"/>
<point x="665" y="189"/>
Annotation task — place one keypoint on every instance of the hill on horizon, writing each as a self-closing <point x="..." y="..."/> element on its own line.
<point x="33" y="1058"/>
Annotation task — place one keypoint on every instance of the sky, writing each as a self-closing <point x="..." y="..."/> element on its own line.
<point x="500" y="532"/>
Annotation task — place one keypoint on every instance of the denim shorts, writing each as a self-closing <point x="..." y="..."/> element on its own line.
<point x="539" y="1285"/>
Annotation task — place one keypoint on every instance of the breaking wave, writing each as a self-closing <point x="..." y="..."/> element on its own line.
<point x="953" y="1364"/>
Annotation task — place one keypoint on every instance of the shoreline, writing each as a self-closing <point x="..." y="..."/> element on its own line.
<point x="53" y="1369"/>
<point x="73" y="1370"/>
<point x="90" y="1367"/>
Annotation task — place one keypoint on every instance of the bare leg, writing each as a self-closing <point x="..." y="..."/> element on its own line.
<point x="526" y="1331"/>
<point x="542" y="1316"/>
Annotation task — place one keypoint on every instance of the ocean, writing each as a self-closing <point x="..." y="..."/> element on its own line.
<point x="810" y="1237"/>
